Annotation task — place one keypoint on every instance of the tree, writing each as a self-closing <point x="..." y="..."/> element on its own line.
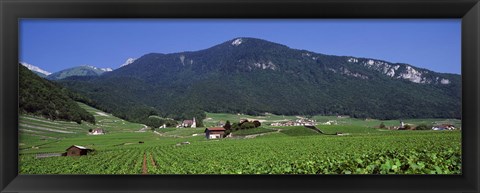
<point x="382" y="125"/>
<point x="227" y="125"/>
<point x="236" y="126"/>
<point x="247" y="125"/>
<point x="154" y="122"/>
<point x="243" y="121"/>
<point x="227" y="128"/>
<point x="422" y="127"/>
<point x="257" y="123"/>
<point x="170" y="123"/>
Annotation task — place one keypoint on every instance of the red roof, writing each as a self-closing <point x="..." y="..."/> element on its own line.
<point x="77" y="146"/>
<point x="216" y="129"/>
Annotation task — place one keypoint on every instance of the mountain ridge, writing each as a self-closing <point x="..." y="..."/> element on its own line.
<point x="35" y="69"/>
<point x="409" y="72"/>
<point x="84" y="70"/>
<point x="249" y="75"/>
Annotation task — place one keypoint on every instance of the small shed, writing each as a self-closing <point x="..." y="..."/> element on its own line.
<point x="97" y="131"/>
<point x="76" y="150"/>
<point x="214" y="132"/>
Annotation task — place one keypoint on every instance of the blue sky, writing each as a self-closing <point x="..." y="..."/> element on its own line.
<point x="56" y="44"/>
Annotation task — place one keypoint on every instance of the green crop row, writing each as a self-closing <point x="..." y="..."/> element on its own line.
<point x="400" y="153"/>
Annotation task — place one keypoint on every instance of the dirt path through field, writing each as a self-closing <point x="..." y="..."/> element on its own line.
<point x="164" y="135"/>
<point x="144" y="167"/>
<point x="156" y="132"/>
<point x="260" y="134"/>
<point x="143" y="129"/>
<point x="102" y="114"/>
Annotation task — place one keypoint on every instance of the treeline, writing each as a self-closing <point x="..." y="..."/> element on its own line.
<point x="155" y="121"/>
<point x="41" y="97"/>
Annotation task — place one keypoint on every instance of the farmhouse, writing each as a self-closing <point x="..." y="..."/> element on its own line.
<point x="76" y="150"/>
<point x="214" y="132"/>
<point x="97" y="131"/>
<point x="189" y="123"/>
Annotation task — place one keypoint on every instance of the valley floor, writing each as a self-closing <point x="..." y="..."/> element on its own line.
<point x="272" y="150"/>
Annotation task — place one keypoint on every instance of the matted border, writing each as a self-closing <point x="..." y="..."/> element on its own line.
<point x="12" y="10"/>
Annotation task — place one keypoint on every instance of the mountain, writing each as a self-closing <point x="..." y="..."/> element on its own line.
<point x="128" y="61"/>
<point x="253" y="76"/>
<point x="85" y="70"/>
<point x="41" y="97"/>
<point x="38" y="71"/>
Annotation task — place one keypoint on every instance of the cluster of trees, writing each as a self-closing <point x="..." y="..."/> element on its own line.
<point x="244" y="124"/>
<point x="41" y="97"/>
<point x="156" y="122"/>
<point x="423" y="127"/>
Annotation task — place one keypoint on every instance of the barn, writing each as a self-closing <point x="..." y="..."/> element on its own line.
<point x="76" y="150"/>
<point x="214" y="132"/>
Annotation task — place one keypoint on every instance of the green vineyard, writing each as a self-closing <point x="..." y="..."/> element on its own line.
<point x="369" y="151"/>
<point x="130" y="148"/>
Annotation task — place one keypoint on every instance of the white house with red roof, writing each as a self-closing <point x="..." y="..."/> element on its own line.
<point x="214" y="132"/>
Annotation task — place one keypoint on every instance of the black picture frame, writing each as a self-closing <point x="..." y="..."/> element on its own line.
<point x="12" y="10"/>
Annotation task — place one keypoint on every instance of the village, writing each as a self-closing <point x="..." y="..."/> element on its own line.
<point x="218" y="130"/>
<point x="299" y="122"/>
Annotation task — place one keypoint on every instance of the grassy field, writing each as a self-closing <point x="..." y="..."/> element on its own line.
<point x="253" y="131"/>
<point x="110" y="122"/>
<point x="361" y="149"/>
<point x="37" y="134"/>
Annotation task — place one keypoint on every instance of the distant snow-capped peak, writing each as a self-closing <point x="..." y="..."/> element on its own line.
<point x="106" y="69"/>
<point x="129" y="61"/>
<point x="35" y="68"/>
<point x="102" y="69"/>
